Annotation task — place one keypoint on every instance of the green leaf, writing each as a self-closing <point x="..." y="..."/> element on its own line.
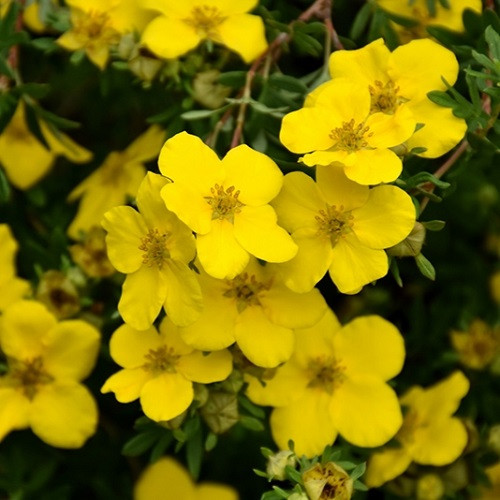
<point x="260" y="473"/>
<point x="358" y="471"/>
<point x="394" y="268"/>
<point x="293" y="474"/>
<point x="358" y="485"/>
<point x="434" y="225"/>
<point x="441" y="98"/>
<point x="210" y="441"/>
<point x="194" y="453"/>
<point x="199" y="114"/>
<point x="493" y="41"/>
<point x="140" y="443"/>
<point x="4" y="188"/>
<point x="5" y="69"/>
<point x="235" y="79"/>
<point x="361" y="21"/>
<point x="251" y="423"/>
<point x="57" y="121"/>
<point x="286" y="82"/>
<point x="254" y="410"/>
<point x="271" y="495"/>
<point x="484" y="61"/>
<point x="423" y="177"/>
<point x="35" y="90"/>
<point x="159" y="448"/>
<point x="425" y="267"/>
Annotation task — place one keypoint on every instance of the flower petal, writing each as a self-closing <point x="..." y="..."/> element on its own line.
<point x="298" y="202"/>
<point x="358" y="397"/>
<point x="373" y="166"/>
<point x="307" y="422"/>
<point x="293" y="310"/>
<point x="419" y="67"/>
<point x="371" y="345"/>
<point x="339" y="190"/>
<point x="147" y="146"/>
<point x="126" y="229"/>
<point x="245" y="34"/>
<point x="181" y="37"/>
<point x="25" y="325"/>
<point x="14" y="410"/>
<point x="256" y="230"/>
<point x="128" y="347"/>
<point x="166" y="396"/>
<point x="183" y="300"/>
<point x="355" y="265"/>
<point x="71" y="350"/>
<point x="207" y="491"/>
<point x="219" y="252"/>
<point x="143" y="294"/>
<point x="126" y="384"/>
<point x="206" y="369"/>
<point x="386" y="218"/>
<point x="262" y="342"/>
<point x="254" y="174"/>
<point x="386" y="465"/>
<point x="390" y="130"/>
<point x="366" y="65"/>
<point x="64" y="414"/>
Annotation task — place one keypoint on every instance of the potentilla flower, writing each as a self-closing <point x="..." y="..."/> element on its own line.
<point x="168" y="480"/>
<point x="341" y="227"/>
<point x="398" y="83"/>
<point x="159" y="369"/>
<point x="226" y="203"/>
<point x="189" y="22"/>
<point x="256" y="310"/>
<point x="335" y="383"/>
<point x="46" y="362"/>
<point x="430" y="435"/>
<point x="327" y="482"/>
<point x="25" y="159"/>
<point x="97" y="25"/>
<point x="114" y="181"/>
<point x="491" y="492"/>
<point x="153" y="247"/>
<point x="338" y="125"/>
<point x="12" y="288"/>
<point x="449" y="17"/>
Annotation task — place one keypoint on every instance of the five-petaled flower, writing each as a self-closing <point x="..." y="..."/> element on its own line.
<point x="159" y="368"/>
<point x="183" y="25"/>
<point x="341" y="227"/>
<point x="154" y="248"/>
<point x="335" y="378"/>
<point x="46" y="362"/>
<point x="226" y="203"/>
<point x="430" y="435"/>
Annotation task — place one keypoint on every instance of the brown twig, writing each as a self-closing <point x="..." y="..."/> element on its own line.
<point x="13" y="56"/>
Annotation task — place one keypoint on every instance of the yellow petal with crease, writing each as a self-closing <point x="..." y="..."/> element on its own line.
<point x="126" y="384"/>
<point x="206" y="369"/>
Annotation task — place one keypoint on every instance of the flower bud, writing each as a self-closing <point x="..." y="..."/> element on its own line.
<point x="276" y="464"/>
<point x="59" y="294"/>
<point x="220" y="412"/>
<point x="327" y="482"/>
<point x="208" y="91"/>
<point x="494" y="438"/>
<point x="430" y="487"/>
<point x="411" y="245"/>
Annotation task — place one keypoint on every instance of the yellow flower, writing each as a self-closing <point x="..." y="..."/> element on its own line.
<point x="12" y="288"/>
<point x="327" y="482"/>
<point x="429" y="434"/>
<point x="338" y="125"/>
<point x="114" y="181"/>
<point x="478" y="346"/>
<point x="47" y="361"/>
<point x="492" y="492"/>
<point x="399" y="81"/>
<point x="418" y="11"/>
<point x="153" y="247"/>
<point x="97" y="25"/>
<point x="257" y="311"/>
<point x="159" y="369"/>
<point x="167" y="480"/>
<point x="25" y="159"/>
<point x="225" y="203"/>
<point x="340" y="226"/>
<point x="335" y="382"/>
<point x="191" y="21"/>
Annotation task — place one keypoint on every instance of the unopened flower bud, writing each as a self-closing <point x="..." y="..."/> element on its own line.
<point x="327" y="482"/>
<point x="494" y="438"/>
<point x="276" y="464"/>
<point x="146" y="68"/>
<point x="430" y="487"/>
<point x="220" y="412"/>
<point x="174" y="423"/>
<point x="208" y="91"/>
<point x="411" y="246"/>
<point x="59" y="294"/>
<point x="201" y="394"/>
<point x="298" y="496"/>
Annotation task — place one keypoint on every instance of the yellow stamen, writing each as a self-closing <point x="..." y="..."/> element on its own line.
<point x="385" y="98"/>
<point x="326" y="373"/>
<point x="224" y="203"/>
<point x="29" y="375"/>
<point x="161" y="360"/>
<point x="205" y="20"/>
<point x="155" y="248"/>
<point x="334" y="223"/>
<point x="246" y="290"/>
<point x="350" y="137"/>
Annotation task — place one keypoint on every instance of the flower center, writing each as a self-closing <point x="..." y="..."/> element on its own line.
<point x="411" y="423"/>
<point x="155" y="248"/>
<point x="245" y="290"/>
<point x="350" y="137"/>
<point x="95" y="26"/>
<point x="224" y="203"/>
<point x="29" y="376"/>
<point x="334" y="223"/>
<point x="384" y="97"/>
<point x="326" y="373"/>
<point x="161" y="360"/>
<point x="205" y="20"/>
